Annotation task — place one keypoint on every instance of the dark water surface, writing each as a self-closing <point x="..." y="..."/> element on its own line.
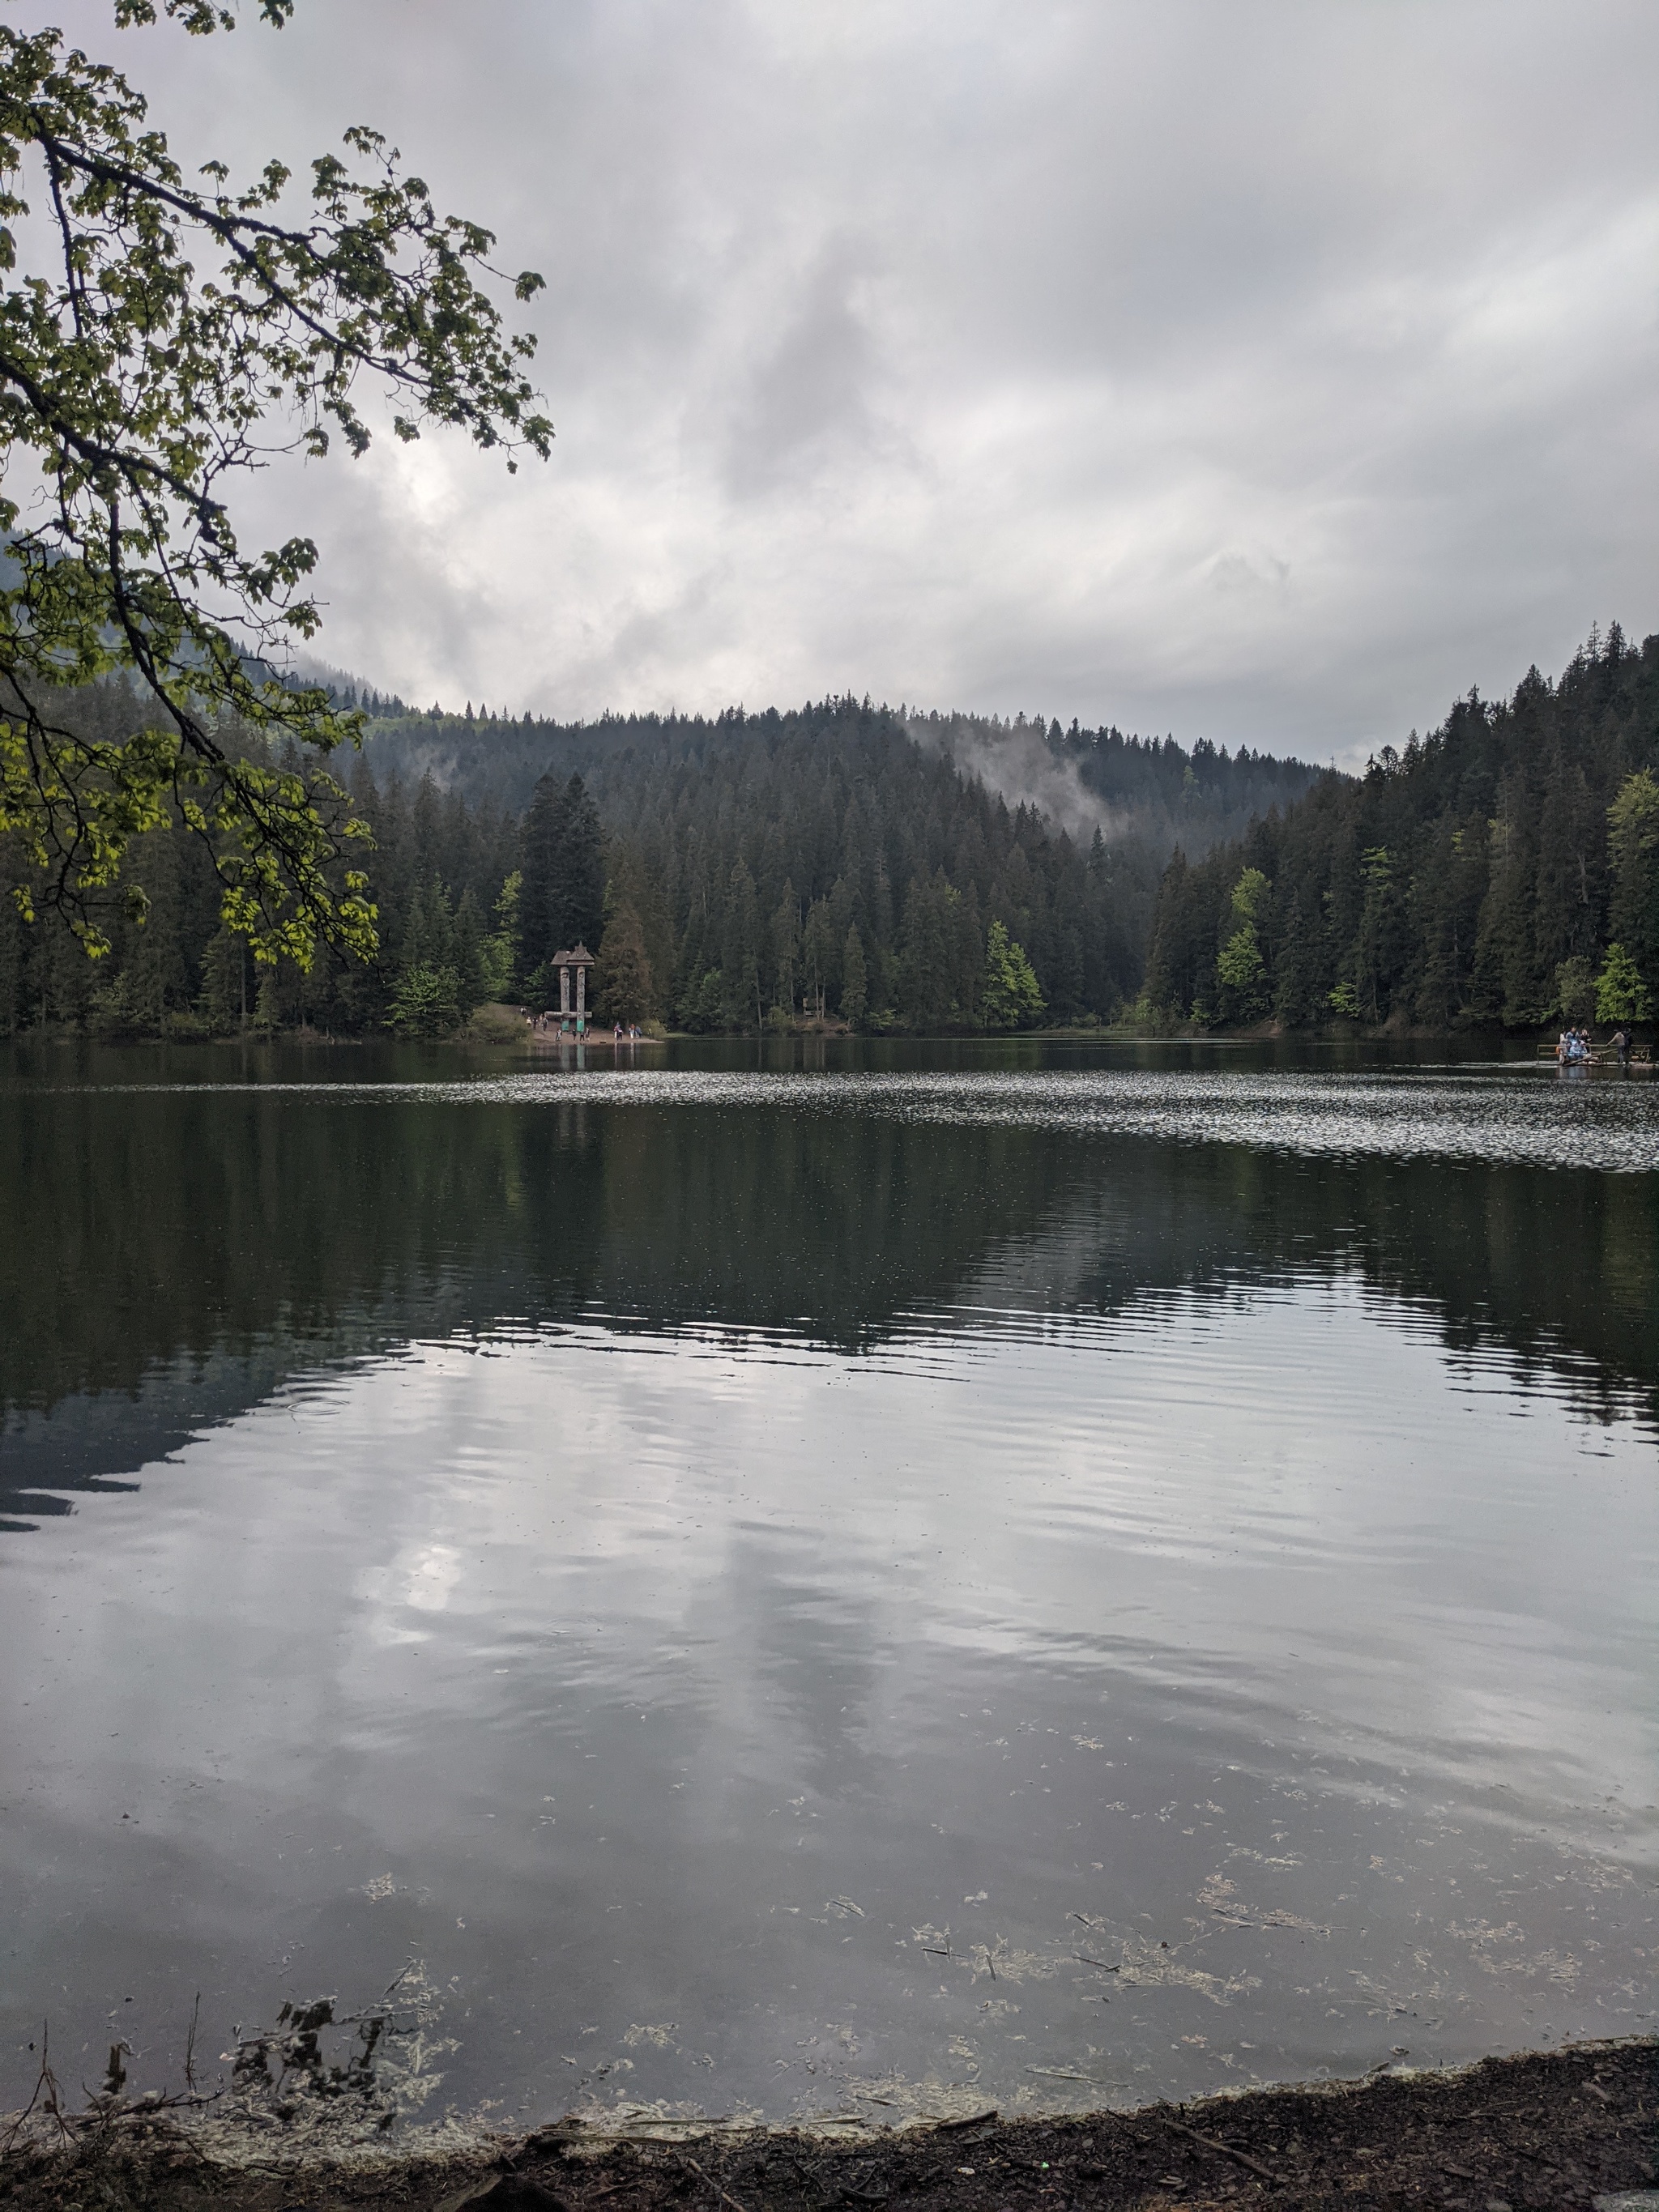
<point x="1039" y="1575"/>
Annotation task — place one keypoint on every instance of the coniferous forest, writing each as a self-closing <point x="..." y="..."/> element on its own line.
<point x="1503" y="870"/>
<point x="831" y="864"/>
<point x="849" y="863"/>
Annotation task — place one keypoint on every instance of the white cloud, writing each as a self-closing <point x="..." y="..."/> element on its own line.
<point x="1271" y="373"/>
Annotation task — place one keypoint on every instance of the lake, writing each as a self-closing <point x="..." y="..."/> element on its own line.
<point x="828" y="1580"/>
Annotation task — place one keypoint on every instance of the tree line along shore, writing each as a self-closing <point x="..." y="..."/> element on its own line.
<point x="850" y="865"/>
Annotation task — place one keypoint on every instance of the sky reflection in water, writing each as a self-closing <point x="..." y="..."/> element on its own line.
<point x="750" y="1713"/>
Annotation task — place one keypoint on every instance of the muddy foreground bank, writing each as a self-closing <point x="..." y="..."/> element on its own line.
<point x="1555" y="2129"/>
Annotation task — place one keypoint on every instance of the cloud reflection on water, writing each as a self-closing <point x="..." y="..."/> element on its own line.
<point x="1245" y="1622"/>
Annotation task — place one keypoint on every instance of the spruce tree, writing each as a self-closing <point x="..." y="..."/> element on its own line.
<point x="562" y="899"/>
<point x="623" y="983"/>
<point x="854" y="985"/>
<point x="740" y="952"/>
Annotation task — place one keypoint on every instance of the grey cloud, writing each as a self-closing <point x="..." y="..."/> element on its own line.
<point x="809" y="393"/>
<point x="1269" y="373"/>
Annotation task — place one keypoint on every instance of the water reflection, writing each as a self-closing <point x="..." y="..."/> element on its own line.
<point x="777" y="1608"/>
<point x="176" y="1253"/>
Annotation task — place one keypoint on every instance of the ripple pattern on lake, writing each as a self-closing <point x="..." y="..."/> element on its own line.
<point x="857" y="1591"/>
<point x="1540" y="1116"/>
<point x="1235" y="1688"/>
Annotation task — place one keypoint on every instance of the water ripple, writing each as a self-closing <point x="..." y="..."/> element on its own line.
<point x="1522" y="1117"/>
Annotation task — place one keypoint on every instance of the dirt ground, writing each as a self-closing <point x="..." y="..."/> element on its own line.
<point x="1552" y="2129"/>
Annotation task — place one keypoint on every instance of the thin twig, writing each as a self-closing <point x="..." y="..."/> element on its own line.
<point x="45" y="2085"/>
<point x="1212" y="2142"/>
<point x="686" y="2160"/>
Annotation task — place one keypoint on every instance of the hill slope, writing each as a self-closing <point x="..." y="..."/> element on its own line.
<point x="1486" y="874"/>
<point x="1135" y="788"/>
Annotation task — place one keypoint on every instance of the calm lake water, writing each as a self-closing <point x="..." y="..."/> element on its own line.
<point x="1021" y="1574"/>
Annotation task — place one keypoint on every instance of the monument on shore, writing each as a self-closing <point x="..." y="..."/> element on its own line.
<point x="576" y="963"/>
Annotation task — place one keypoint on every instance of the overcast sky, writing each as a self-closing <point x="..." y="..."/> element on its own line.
<point x="1267" y="370"/>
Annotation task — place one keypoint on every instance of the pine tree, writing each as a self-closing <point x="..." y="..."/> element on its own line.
<point x="854" y="983"/>
<point x="624" y="991"/>
<point x="561" y="901"/>
<point x="816" y="941"/>
<point x="930" y="995"/>
<point x="426" y="1002"/>
<point x="224" y="1000"/>
<point x="471" y="973"/>
<point x="740" y="952"/>
<point x="784" y="934"/>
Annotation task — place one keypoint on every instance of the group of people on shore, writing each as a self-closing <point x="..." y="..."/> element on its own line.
<point x="563" y="1024"/>
<point x="1576" y="1047"/>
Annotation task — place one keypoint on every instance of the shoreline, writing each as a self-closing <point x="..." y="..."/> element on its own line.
<point x="500" y="1039"/>
<point x="1544" y="2129"/>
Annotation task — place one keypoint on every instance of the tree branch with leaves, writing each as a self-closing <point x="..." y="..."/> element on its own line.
<point x="176" y="336"/>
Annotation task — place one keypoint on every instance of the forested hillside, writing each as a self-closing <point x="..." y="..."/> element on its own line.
<point x="1148" y="790"/>
<point x="1152" y="792"/>
<point x="834" y="862"/>
<point x="1505" y="869"/>
<point x="844" y="862"/>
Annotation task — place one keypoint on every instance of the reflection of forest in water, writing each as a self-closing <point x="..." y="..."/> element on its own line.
<point x="172" y="1256"/>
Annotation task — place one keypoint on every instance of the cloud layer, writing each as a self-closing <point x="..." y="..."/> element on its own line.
<point x="1266" y="372"/>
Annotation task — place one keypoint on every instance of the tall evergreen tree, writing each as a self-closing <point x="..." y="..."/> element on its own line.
<point x="854" y="986"/>
<point x="740" y="952"/>
<point x="625" y="990"/>
<point x="562" y="898"/>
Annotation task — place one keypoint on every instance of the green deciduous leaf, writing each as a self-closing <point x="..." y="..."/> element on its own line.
<point x="182" y="335"/>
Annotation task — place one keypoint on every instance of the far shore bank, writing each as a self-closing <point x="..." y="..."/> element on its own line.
<point x="503" y="1028"/>
<point x="1557" y="2128"/>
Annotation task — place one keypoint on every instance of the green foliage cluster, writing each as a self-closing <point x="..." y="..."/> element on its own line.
<point x="446" y="933"/>
<point x="1009" y="996"/>
<point x="1503" y="870"/>
<point x="163" y="333"/>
